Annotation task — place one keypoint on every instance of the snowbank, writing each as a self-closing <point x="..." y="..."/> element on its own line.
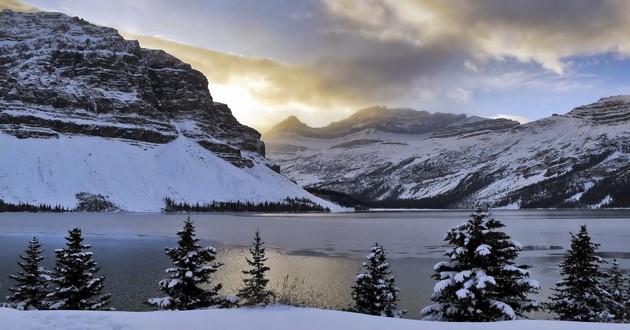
<point x="277" y="318"/>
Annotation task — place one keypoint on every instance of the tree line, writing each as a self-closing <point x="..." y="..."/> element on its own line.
<point x="26" y="207"/>
<point x="479" y="281"/>
<point x="289" y="205"/>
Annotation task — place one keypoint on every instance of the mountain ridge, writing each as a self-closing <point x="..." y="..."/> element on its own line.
<point x="394" y="120"/>
<point x="579" y="159"/>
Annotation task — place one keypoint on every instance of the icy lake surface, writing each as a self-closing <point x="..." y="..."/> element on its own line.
<point x="322" y="251"/>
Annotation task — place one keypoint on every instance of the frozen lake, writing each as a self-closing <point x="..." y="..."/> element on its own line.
<point x="323" y="250"/>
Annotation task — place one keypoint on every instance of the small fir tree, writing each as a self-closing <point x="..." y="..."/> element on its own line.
<point x="375" y="291"/>
<point x="581" y="295"/>
<point x="480" y="280"/>
<point x="255" y="290"/>
<point x="188" y="282"/>
<point x="76" y="287"/>
<point x="33" y="280"/>
<point x="619" y="293"/>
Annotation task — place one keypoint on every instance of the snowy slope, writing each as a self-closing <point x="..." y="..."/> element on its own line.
<point x="273" y="318"/>
<point x="134" y="176"/>
<point x="545" y="163"/>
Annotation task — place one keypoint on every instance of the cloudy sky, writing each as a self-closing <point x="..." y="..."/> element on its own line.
<point x="324" y="59"/>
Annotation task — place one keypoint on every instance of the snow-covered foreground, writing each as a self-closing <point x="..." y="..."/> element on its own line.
<point x="277" y="318"/>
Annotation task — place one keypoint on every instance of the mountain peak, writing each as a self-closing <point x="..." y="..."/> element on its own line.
<point x="291" y="125"/>
<point x="292" y="120"/>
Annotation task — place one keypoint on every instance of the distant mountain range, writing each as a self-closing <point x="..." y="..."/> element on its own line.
<point x="84" y="112"/>
<point x="407" y="158"/>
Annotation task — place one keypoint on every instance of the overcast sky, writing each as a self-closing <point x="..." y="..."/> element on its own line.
<point x="324" y="59"/>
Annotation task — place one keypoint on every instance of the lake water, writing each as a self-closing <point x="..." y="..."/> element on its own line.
<point x="321" y="251"/>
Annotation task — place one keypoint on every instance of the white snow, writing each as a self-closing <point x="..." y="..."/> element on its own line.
<point x="507" y="310"/>
<point x="134" y="176"/>
<point x="461" y="276"/>
<point x="443" y="284"/>
<point x="483" y="249"/>
<point x="276" y="318"/>
<point x="462" y="293"/>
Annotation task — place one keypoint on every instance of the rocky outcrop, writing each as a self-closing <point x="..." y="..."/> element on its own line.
<point x="575" y="160"/>
<point x="63" y="75"/>
<point x="476" y="127"/>
<point x="613" y="110"/>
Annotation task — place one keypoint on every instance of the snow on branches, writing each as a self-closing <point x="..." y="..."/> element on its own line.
<point x="374" y="291"/>
<point x="73" y="277"/>
<point x="188" y="282"/>
<point x="480" y="281"/>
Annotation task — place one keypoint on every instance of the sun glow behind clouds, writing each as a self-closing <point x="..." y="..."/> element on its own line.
<point x="323" y="60"/>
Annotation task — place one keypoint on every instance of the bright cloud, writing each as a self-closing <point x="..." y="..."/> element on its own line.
<point x="545" y="32"/>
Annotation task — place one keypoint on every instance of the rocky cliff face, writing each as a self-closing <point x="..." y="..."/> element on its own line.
<point x="63" y="75"/>
<point x="84" y="112"/>
<point x="576" y="160"/>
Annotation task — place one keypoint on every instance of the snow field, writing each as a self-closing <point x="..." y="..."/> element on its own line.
<point x="134" y="176"/>
<point x="272" y="318"/>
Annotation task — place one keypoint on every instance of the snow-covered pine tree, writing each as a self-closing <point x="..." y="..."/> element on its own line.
<point x="32" y="281"/>
<point x="581" y="295"/>
<point x="618" y="291"/>
<point x="374" y="291"/>
<point x="75" y="284"/>
<point x="186" y="287"/>
<point x="480" y="281"/>
<point x="254" y="291"/>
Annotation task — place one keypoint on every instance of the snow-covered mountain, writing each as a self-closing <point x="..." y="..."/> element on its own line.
<point x="581" y="159"/>
<point x="83" y="110"/>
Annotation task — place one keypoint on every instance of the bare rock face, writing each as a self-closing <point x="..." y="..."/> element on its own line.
<point x="63" y="75"/>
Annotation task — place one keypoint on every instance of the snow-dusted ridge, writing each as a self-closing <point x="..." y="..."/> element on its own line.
<point x="83" y="110"/>
<point x="580" y="159"/>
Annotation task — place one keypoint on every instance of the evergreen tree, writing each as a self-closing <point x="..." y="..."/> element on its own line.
<point x="480" y="281"/>
<point x="186" y="286"/>
<point x="255" y="290"/>
<point x="618" y="291"/>
<point x="374" y="291"/>
<point x="76" y="288"/>
<point x="32" y="286"/>
<point x="581" y="294"/>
